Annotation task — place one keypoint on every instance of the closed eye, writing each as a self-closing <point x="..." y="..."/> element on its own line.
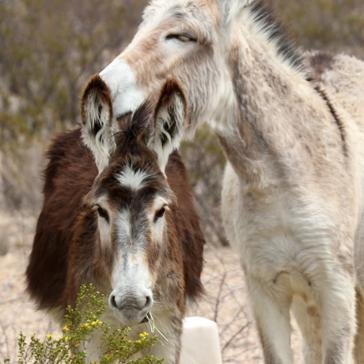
<point x="182" y="37"/>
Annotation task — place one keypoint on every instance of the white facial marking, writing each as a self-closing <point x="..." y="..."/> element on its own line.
<point x="124" y="226"/>
<point x="131" y="178"/>
<point x="131" y="278"/>
<point x="131" y="271"/>
<point x="120" y="78"/>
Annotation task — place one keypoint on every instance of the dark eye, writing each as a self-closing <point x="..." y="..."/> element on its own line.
<point x="160" y="213"/>
<point x="103" y="213"/>
<point x="182" y="37"/>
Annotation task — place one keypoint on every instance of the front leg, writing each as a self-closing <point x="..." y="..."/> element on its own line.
<point x="308" y="320"/>
<point x="338" y="302"/>
<point x="271" y="312"/>
<point x="359" y="345"/>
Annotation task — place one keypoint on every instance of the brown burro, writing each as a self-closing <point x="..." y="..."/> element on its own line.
<point x="117" y="215"/>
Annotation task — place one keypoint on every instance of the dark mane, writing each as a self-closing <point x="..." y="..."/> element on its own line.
<point x="264" y="15"/>
<point x="134" y="129"/>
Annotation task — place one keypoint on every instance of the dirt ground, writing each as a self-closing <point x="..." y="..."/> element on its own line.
<point x="225" y="299"/>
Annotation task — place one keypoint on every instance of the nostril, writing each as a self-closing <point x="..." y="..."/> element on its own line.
<point x="113" y="301"/>
<point x="148" y="301"/>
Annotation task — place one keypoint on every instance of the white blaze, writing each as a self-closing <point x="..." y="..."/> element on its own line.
<point x="120" y="78"/>
<point x="130" y="272"/>
<point x="124" y="226"/>
<point x="131" y="178"/>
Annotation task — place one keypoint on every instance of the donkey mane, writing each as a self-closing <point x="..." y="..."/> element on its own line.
<point x="263" y="16"/>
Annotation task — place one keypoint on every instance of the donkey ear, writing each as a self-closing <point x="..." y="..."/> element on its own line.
<point x="97" y="128"/>
<point x="231" y="9"/>
<point x="169" y="117"/>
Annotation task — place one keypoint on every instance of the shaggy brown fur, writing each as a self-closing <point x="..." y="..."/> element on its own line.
<point x="68" y="178"/>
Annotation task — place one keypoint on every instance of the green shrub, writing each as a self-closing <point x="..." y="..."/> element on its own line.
<point x="80" y="323"/>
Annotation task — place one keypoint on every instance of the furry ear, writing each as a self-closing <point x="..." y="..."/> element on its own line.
<point x="169" y="117"/>
<point x="231" y="9"/>
<point x="97" y="128"/>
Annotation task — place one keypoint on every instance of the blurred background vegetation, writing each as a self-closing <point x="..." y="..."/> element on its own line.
<point x="48" y="50"/>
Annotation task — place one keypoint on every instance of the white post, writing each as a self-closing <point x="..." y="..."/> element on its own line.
<point x="200" y="342"/>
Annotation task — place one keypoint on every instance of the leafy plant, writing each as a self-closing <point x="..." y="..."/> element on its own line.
<point x="82" y="322"/>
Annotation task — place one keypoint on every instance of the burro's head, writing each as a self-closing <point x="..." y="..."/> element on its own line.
<point x="129" y="206"/>
<point x="187" y="40"/>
